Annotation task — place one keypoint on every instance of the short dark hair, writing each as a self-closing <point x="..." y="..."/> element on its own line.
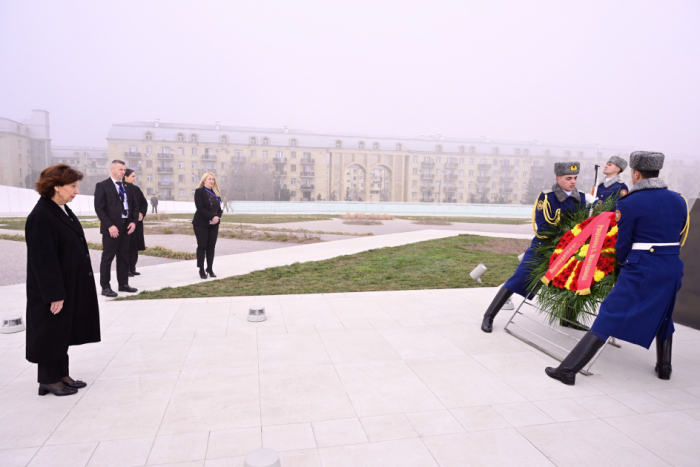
<point x="56" y="175"/>
<point x="117" y="161"/>
<point x="648" y="173"/>
<point x="128" y="172"/>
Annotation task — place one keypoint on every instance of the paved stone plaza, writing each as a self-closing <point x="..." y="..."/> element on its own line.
<point x="400" y="378"/>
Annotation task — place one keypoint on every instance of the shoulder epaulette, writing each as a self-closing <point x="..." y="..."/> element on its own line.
<point x="546" y="192"/>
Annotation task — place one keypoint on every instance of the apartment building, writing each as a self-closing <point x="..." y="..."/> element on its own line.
<point x="25" y="149"/>
<point x="171" y="158"/>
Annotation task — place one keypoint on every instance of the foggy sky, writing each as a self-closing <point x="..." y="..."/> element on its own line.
<point x="609" y="72"/>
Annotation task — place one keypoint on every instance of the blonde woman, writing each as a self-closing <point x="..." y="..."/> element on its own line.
<point x="207" y="200"/>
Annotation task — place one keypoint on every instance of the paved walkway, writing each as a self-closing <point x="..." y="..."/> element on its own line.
<point x="176" y="274"/>
<point x="363" y="379"/>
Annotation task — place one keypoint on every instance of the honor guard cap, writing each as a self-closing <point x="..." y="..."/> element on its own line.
<point x="646" y="160"/>
<point x="620" y="162"/>
<point x="566" y="168"/>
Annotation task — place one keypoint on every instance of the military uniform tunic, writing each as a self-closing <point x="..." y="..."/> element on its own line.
<point x="640" y="306"/>
<point x="616" y="189"/>
<point x="547" y="211"/>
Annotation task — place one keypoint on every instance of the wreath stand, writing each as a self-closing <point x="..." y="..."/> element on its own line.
<point x="540" y="337"/>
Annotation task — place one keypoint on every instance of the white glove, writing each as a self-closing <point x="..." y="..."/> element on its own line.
<point x="590" y="199"/>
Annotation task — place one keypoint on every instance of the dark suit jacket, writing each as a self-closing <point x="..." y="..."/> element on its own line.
<point x="207" y="208"/>
<point x="138" y="236"/>
<point x="109" y="207"/>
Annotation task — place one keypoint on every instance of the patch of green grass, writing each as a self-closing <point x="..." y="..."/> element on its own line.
<point x="262" y="218"/>
<point x="468" y="220"/>
<point x="434" y="264"/>
<point x="18" y="223"/>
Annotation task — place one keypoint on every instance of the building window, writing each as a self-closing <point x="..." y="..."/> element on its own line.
<point x="264" y="154"/>
<point x="338" y="143"/>
<point x="461" y="184"/>
<point x="193" y="138"/>
<point x="294" y="155"/>
<point x="223" y="166"/>
<point x="238" y="153"/>
<point x="180" y="137"/>
<point x="361" y="145"/>
<point x="493" y="184"/>
<point x="194" y="179"/>
<point x="495" y="150"/>
<point x="265" y="167"/>
<point x="471" y="173"/>
<point x="149" y="135"/>
<point x="181" y="192"/>
<point x="547" y="152"/>
<point x="194" y="151"/>
<point x="181" y="151"/>
<point x="515" y="174"/>
<point x="438" y="160"/>
<point x="293" y="142"/>
<point x="149" y="164"/>
<point x="461" y="161"/>
<point x="517" y="162"/>
<point x="461" y="196"/>
<point x="253" y="153"/>
<point x="149" y="178"/>
<point x="461" y="172"/>
<point x="253" y="140"/>
<point x="180" y="165"/>
<point x="194" y="165"/>
<point x="181" y="178"/>
<point x="472" y="149"/>
<point x="133" y="149"/>
<point x="415" y="171"/>
<point x="149" y="149"/>
<point x="437" y="172"/>
<point x="526" y="152"/>
<point x="438" y="148"/>
<point x="399" y="147"/>
<point x="414" y="183"/>
<point x="517" y="151"/>
<point x="293" y="181"/>
<point x="265" y="141"/>
<point x="375" y="145"/>
<point x="224" y="139"/>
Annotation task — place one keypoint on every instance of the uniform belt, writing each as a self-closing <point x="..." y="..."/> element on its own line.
<point x="649" y="246"/>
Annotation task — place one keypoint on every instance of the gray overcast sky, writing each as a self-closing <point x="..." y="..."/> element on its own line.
<point x="609" y="71"/>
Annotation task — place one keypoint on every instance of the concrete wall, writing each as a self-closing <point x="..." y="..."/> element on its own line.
<point x="17" y="202"/>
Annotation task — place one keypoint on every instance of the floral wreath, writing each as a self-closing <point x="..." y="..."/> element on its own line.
<point x="567" y="277"/>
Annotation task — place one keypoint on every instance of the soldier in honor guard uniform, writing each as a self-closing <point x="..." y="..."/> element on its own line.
<point x="652" y="223"/>
<point x="613" y="185"/>
<point x="548" y="209"/>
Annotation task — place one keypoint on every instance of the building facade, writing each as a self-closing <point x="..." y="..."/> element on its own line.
<point x="25" y="149"/>
<point x="170" y="160"/>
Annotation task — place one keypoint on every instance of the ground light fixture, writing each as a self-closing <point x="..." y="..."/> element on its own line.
<point x="262" y="458"/>
<point x="256" y="313"/>
<point x="12" y="324"/>
<point x="478" y="272"/>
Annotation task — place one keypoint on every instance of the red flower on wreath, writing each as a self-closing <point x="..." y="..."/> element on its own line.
<point x="567" y="277"/>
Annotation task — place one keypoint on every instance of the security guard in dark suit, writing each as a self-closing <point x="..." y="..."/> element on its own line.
<point x="652" y="224"/>
<point x="548" y="209"/>
<point x="613" y="185"/>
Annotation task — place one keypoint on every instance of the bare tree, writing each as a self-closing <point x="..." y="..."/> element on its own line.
<point x="252" y="185"/>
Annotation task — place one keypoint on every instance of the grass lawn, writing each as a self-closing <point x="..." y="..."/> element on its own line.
<point x="262" y="218"/>
<point x="434" y="264"/>
<point x="468" y="220"/>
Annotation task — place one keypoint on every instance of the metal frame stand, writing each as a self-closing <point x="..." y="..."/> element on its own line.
<point x="586" y="371"/>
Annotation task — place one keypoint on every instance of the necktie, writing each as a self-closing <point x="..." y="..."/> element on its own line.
<point x="121" y="197"/>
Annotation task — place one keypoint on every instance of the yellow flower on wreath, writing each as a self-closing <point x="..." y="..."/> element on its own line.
<point x="612" y="232"/>
<point x="598" y="275"/>
<point x="575" y="231"/>
<point x="583" y="251"/>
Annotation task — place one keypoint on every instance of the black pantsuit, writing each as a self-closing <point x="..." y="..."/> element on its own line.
<point x="208" y="207"/>
<point x="119" y="248"/>
<point x="58" y="268"/>
<point x="111" y="211"/>
<point x="206" y="242"/>
<point x="136" y="240"/>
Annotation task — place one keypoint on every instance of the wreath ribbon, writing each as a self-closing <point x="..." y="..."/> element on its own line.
<point x="596" y="230"/>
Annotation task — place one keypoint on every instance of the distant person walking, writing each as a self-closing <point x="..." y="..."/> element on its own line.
<point x="62" y="307"/>
<point x="136" y="240"/>
<point x="117" y="208"/>
<point x="207" y="200"/>
<point x="225" y="201"/>
<point x="154" y="204"/>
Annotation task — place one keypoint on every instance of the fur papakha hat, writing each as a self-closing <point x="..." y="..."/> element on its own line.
<point x="620" y="162"/>
<point x="646" y="160"/>
<point x="566" y="168"/>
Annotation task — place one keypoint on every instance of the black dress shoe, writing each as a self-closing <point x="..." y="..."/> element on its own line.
<point x="135" y="273"/>
<point x="75" y="384"/>
<point x="211" y="273"/>
<point x="131" y="274"/>
<point x="109" y="293"/>
<point x="47" y="388"/>
<point x="127" y="288"/>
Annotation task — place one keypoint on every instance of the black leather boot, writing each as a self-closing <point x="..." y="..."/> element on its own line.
<point x="202" y="273"/>
<point x="498" y="301"/>
<point x="576" y="360"/>
<point x="663" y="357"/>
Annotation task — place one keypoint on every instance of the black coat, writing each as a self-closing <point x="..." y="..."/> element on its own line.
<point x="58" y="268"/>
<point x="208" y="207"/>
<point x="109" y="207"/>
<point x="137" y="236"/>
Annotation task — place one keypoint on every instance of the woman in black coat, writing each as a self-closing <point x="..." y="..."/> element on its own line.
<point x="136" y="240"/>
<point x="62" y="308"/>
<point x="207" y="200"/>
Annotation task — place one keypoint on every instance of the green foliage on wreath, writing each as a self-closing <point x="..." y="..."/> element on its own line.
<point x="560" y="304"/>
